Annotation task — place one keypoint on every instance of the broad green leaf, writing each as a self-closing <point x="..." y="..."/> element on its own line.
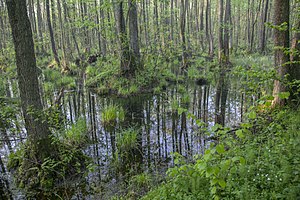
<point x="216" y="170"/>
<point x="209" y="171"/>
<point x="207" y="151"/>
<point x="284" y="95"/>
<point x="202" y="165"/>
<point x="271" y="98"/>
<point x="220" y="148"/>
<point x="222" y="183"/>
<point x="216" y="127"/>
<point x="214" y="181"/>
<point x="252" y="115"/>
<point x="242" y="161"/>
<point x="181" y="110"/>
<point x="268" y="103"/>
<point x="236" y="158"/>
<point x="225" y="165"/>
<point x="214" y="190"/>
<point x="246" y="125"/>
<point x="240" y="133"/>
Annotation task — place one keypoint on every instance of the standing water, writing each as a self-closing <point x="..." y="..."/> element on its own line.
<point x="144" y="133"/>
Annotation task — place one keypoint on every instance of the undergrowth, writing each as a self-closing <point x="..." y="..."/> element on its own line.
<point x="61" y="173"/>
<point x="260" y="160"/>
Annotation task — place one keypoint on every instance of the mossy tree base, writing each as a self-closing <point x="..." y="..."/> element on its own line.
<point x="58" y="174"/>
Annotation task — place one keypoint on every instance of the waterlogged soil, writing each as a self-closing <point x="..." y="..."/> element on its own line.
<point x="177" y="120"/>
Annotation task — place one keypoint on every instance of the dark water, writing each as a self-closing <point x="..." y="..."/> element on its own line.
<point x="177" y="120"/>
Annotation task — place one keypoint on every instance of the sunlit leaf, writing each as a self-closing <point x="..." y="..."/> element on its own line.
<point x="220" y="148"/>
<point x="252" y="115"/>
<point x="222" y="183"/>
<point x="240" y="133"/>
<point x="284" y="95"/>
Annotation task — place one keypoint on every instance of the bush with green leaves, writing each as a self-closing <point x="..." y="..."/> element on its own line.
<point x="254" y="74"/>
<point x="59" y="175"/>
<point x="260" y="160"/>
<point x="8" y="110"/>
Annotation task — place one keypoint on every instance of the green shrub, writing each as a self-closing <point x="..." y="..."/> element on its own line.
<point x="259" y="161"/>
<point x="58" y="176"/>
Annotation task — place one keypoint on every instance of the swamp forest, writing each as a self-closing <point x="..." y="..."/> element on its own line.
<point x="149" y="99"/>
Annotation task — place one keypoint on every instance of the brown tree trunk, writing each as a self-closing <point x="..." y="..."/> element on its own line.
<point x="65" y="61"/>
<point x="37" y="129"/>
<point x="209" y="29"/>
<point x="103" y="32"/>
<point x="294" y="68"/>
<point x="263" y="31"/>
<point x="121" y="27"/>
<point x="53" y="45"/>
<point x="133" y="33"/>
<point x="40" y="25"/>
<point x="184" y="4"/>
<point x="281" y="42"/>
<point x="221" y="31"/>
<point x="227" y="31"/>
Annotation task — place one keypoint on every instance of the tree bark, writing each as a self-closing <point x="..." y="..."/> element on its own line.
<point x="263" y="31"/>
<point x="294" y="68"/>
<point x="53" y="45"/>
<point x="133" y="33"/>
<point x="103" y="32"/>
<point x="209" y="29"/>
<point x="123" y="40"/>
<point x="281" y="42"/>
<point x="221" y="31"/>
<point x="40" y="26"/>
<point x="227" y="28"/>
<point x="183" y="7"/>
<point x="37" y="129"/>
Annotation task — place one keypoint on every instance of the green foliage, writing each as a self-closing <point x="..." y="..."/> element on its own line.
<point x="185" y="100"/>
<point x="193" y="73"/>
<point x="126" y="154"/>
<point x="8" y="111"/>
<point x="111" y="115"/>
<point x="61" y="171"/>
<point x="57" y="176"/>
<point x="127" y="140"/>
<point x="262" y="162"/>
<point x="7" y="62"/>
<point x="76" y="134"/>
<point x="103" y="73"/>
<point x="54" y="80"/>
<point x="139" y="185"/>
<point x="254" y="75"/>
<point x="106" y="77"/>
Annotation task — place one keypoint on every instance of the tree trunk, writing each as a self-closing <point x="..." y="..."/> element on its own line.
<point x="40" y="26"/>
<point x="263" y="32"/>
<point x="123" y="40"/>
<point x="65" y="61"/>
<point x="227" y="31"/>
<point x="133" y="33"/>
<point x="221" y="31"/>
<point x="209" y="29"/>
<point x="183" y="7"/>
<point x="281" y="42"/>
<point x="37" y="129"/>
<point x="53" y="46"/>
<point x="294" y="68"/>
<point x="103" y="32"/>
